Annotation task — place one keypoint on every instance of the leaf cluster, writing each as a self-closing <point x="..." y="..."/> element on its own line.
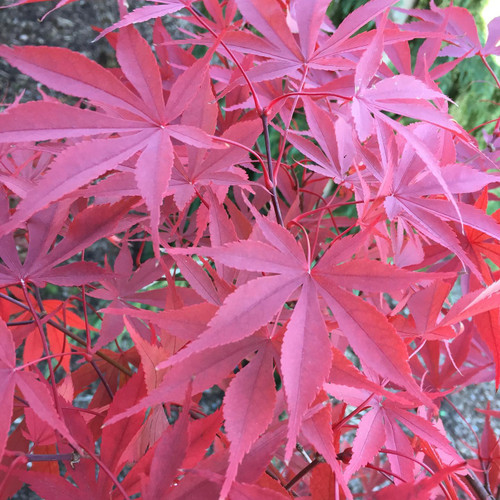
<point x="298" y="221"/>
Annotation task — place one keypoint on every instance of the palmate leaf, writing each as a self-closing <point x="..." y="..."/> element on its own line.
<point x="42" y="265"/>
<point x="143" y="118"/>
<point x="460" y="21"/>
<point x="146" y="13"/>
<point x="34" y="392"/>
<point x="169" y="454"/>
<point x="271" y="314"/>
<point x="285" y="54"/>
<point x="381" y="427"/>
<point x="415" y="198"/>
<point x="211" y="368"/>
<point x="306" y="350"/>
<point x="248" y="409"/>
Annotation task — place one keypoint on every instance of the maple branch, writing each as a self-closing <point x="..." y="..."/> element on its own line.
<point x="85" y="315"/>
<point x="103" y="379"/>
<point x="481" y="461"/>
<point x="250" y="151"/>
<point x="488" y="67"/>
<point x="274" y="192"/>
<point x="478" y="487"/>
<point x="34" y="457"/>
<point x="303" y="452"/>
<point x="46" y="349"/>
<point x="22" y="401"/>
<point x="44" y="312"/>
<point x="71" y="335"/>
<point x="20" y="323"/>
<point x="309" y="467"/>
<point x="275" y="474"/>
<point x="94" y="310"/>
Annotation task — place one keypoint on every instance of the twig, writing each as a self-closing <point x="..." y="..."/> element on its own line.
<point x="71" y="335"/>
<point x="103" y="379"/>
<point x="478" y="487"/>
<point x="46" y="349"/>
<point x="309" y="467"/>
<point x="274" y="192"/>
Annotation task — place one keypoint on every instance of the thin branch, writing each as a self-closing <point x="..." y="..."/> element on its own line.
<point x="103" y="379"/>
<point x="488" y="67"/>
<point x="64" y="457"/>
<point x="274" y="192"/>
<point x="200" y="18"/>
<point x="309" y="467"/>
<point x="46" y="349"/>
<point x="480" y="458"/>
<point x="305" y="93"/>
<point x="478" y="487"/>
<point x="71" y="335"/>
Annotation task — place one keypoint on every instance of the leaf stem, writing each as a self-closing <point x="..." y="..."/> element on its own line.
<point x="251" y="151"/>
<point x="305" y="93"/>
<point x="103" y="379"/>
<point x="422" y="464"/>
<point x="476" y="437"/>
<point x="45" y="358"/>
<point x="71" y="335"/>
<point x="478" y="487"/>
<point x="86" y="317"/>
<point x="309" y="467"/>
<point x="274" y="192"/>
<point x="46" y="349"/>
<point x="495" y="77"/>
<point x="199" y="16"/>
<point x="65" y="457"/>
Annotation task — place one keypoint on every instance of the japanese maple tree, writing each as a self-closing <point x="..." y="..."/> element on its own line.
<point x="292" y="215"/>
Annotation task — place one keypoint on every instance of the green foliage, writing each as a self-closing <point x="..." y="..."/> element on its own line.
<point x="470" y="84"/>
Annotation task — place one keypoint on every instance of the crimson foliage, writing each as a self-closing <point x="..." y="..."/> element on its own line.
<point x="313" y="240"/>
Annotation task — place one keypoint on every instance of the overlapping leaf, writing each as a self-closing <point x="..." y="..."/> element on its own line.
<point x="143" y="117"/>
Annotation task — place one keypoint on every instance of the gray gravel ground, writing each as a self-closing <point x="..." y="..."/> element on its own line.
<point x="71" y="27"/>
